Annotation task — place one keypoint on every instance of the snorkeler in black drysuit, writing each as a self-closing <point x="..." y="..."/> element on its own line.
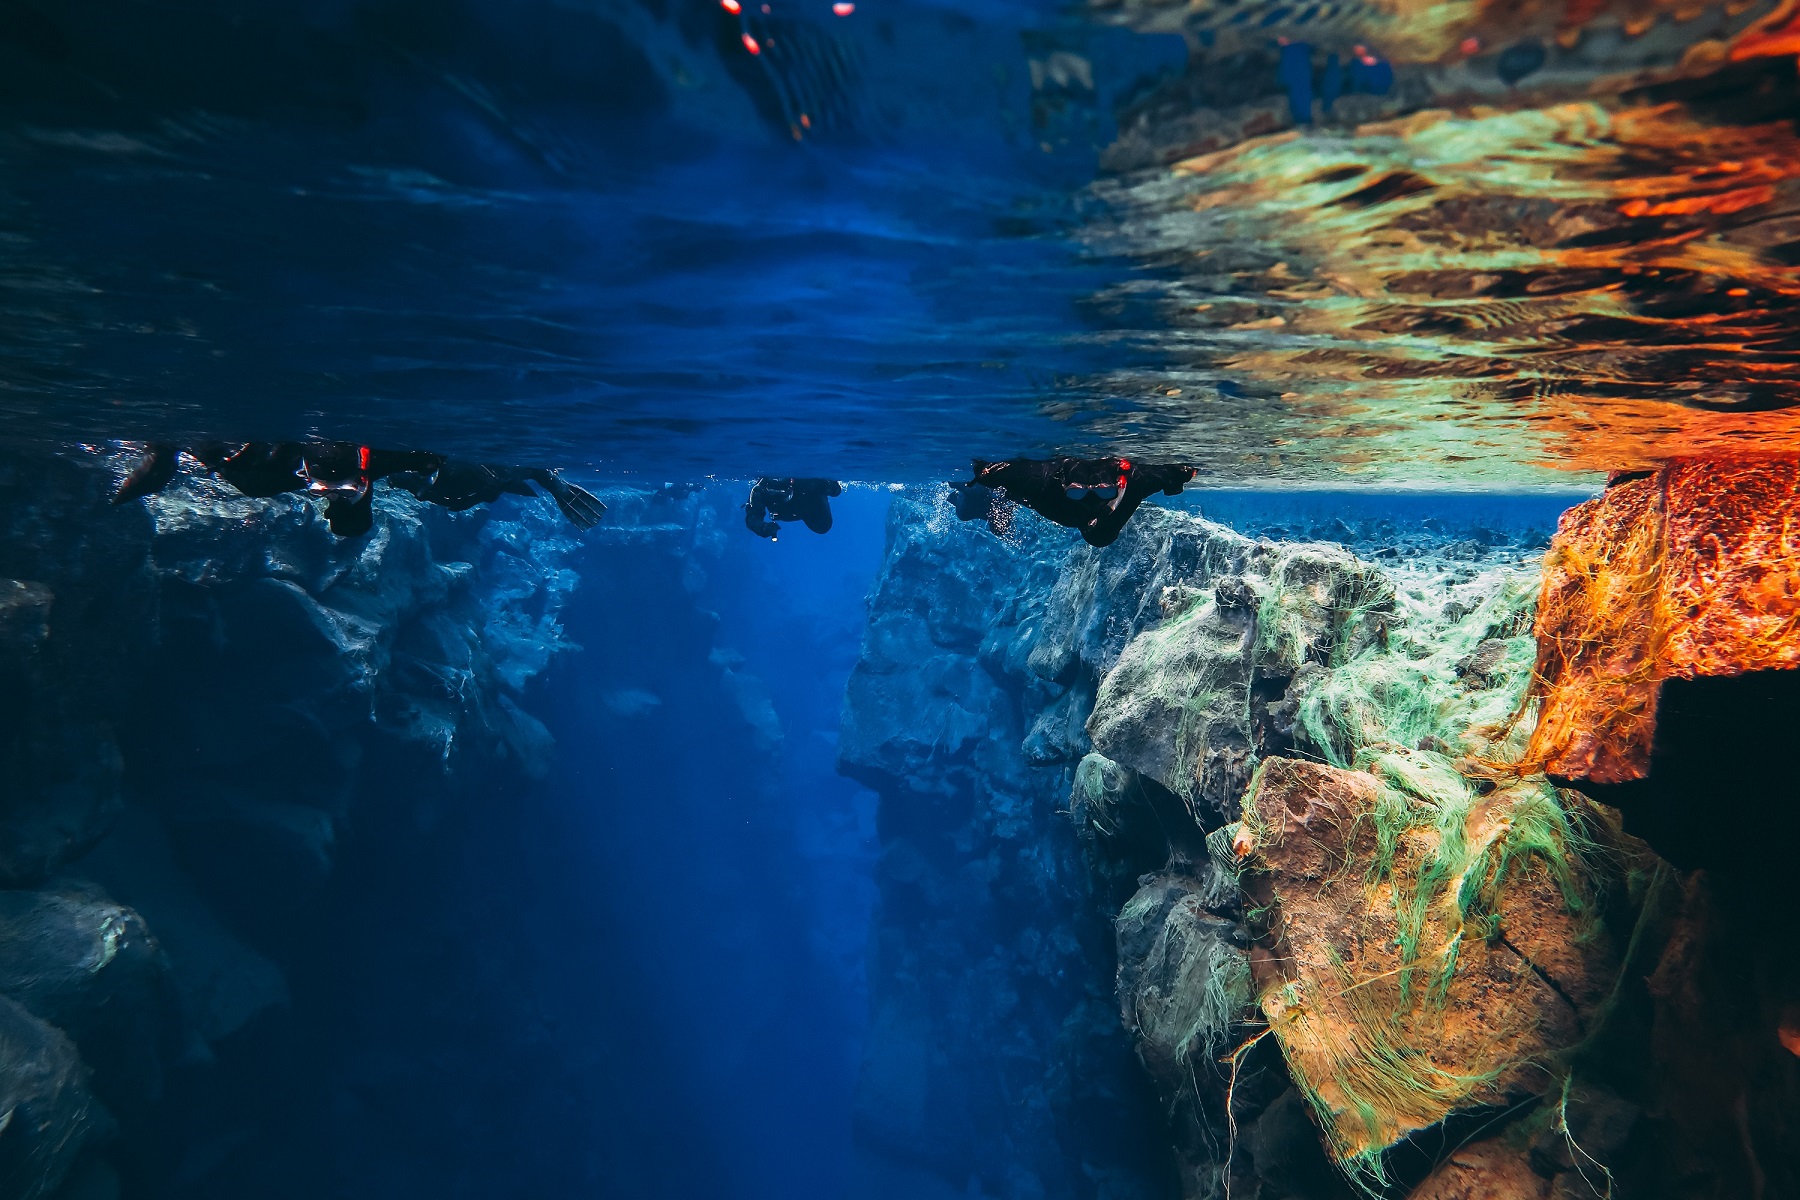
<point x="256" y="468"/>
<point x="1094" y="496"/>
<point x="344" y="474"/>
<point x="459" y="485"/>
<point x="804" y="500"/>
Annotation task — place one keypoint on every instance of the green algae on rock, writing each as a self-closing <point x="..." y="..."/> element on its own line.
<point x="1417" y="958"/>
<point x="1442" y="948"/>
<point x="1425" y="943"/>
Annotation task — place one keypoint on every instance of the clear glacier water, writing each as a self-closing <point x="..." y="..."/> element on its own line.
<point x="592" y="236"/>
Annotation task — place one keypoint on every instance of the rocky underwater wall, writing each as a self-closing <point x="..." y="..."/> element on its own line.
<point x="200" y="690"/>
<point x="328" y="868"/>
<point x="1262" y="812"/>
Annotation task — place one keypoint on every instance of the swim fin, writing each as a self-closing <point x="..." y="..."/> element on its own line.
<point x="581" y="506"/>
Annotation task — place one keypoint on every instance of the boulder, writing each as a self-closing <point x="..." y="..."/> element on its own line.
<point x="1176" y="708"/>
<point x="74" y="958"/>
<point x="1666" y="632"/>
<point x="1418" y="957"/>
<point x="1184" y="978"/>
<point x="1490" y="1170"/>
<point x="1187" y="703"/>
<point x="47" y="1115"/>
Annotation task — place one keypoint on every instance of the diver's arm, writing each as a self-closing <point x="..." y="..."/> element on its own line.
<point x="756" y="516"/>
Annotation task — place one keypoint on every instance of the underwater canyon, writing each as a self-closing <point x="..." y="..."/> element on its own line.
<point x="897" y="600"/>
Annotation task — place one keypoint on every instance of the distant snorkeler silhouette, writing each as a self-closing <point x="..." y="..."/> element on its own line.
<point x="344" y="474"/>
<point x="1094" y="496"/>
<point x="804" y="500"/>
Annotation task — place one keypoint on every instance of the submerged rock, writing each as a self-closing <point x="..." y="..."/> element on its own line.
<point x="47" y="1115"/>
<point x="1184" y="977"/>
<point x="1666" y="634"/>
<point x="1420" y="955"/>
<point x="1176" y="708"/>
<point x="89" y="966"/>
<point x="77" y="617"/>
<point x="1408" y="678"/>
<point x="1199" y="657"/>
<point x="1194" y="702"/>
<point x="995" y="1063"/>
<point x="1490" y="1170"/>
<point x="199" y="688"/>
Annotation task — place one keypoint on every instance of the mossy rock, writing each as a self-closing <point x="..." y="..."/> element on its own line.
<point x="1416" y="956"/>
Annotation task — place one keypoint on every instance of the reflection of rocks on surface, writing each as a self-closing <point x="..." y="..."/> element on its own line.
<point x="195" y="685"/>
<point x="1451" y="957"/>
<point x="1589" y="268"/>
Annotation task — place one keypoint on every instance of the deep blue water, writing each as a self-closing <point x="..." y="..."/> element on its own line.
<point x="643" y="975"/>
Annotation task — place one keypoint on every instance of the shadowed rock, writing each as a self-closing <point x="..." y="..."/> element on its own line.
<point x="90" y="967"/>
<point x="47" y="1115"/>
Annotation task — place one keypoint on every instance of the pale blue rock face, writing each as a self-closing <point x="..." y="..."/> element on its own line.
<point x="994" y="1061"/>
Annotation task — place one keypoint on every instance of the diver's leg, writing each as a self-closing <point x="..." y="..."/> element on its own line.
<point x="1104" y="529"/>
<point x="151" y="475"/>
<point x="817" y="515"/>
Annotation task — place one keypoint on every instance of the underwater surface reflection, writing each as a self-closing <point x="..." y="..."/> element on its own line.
<point x="618" y="238"/>
<point x="546" y="233"/>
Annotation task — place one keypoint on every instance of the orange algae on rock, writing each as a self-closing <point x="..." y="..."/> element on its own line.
<point x="1691" y="571"/>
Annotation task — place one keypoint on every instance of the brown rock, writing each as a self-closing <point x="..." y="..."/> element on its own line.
<point x="1388" y="1041"/>
<point x="1491" y="1170"/>
<point x="1691" y="571"/>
